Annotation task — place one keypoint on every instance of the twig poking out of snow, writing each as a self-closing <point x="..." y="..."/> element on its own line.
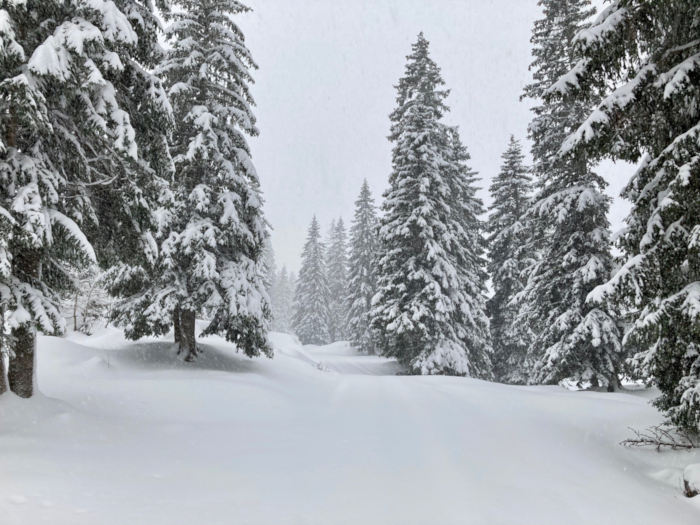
<point x="660" y="437"/>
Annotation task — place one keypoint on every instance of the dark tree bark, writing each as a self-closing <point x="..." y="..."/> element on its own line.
<point x="4" y="384"/>
<point x="188" y="343"/>
<point x="177" y="335"/>
<point x="21" y="372"/>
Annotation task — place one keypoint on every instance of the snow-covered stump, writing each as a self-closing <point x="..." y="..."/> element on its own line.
<point x="691" y="480"/>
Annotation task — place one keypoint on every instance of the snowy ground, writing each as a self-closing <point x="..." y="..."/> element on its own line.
<point x="319" y="435"/>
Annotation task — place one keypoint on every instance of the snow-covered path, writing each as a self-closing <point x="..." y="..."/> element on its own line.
<point x="317" y="435"/>
<point x="341" y="358"/>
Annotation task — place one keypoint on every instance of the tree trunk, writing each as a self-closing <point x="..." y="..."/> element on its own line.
<point x="614" y="384"/>
<point x="4" y="384"/>
<point x="21" y="372"/>
<point x="11" y="131"/>
<point x="177" y="335"/>
<point x="188" y="344"/>
<point x="4" y="354"/>
<point x="75" y="310"/>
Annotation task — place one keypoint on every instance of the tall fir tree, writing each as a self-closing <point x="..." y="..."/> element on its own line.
<point x="650" y="52"/>
<point x="282" y="299"/>
<point x="82" y="154"/>
<point x="211" y="258"/>
<point x="509" y="259"/>
<point x="362" y="280"/>
<point x="468" y="247"/>
<point x="574" y="340"/>
<point x="310" y="321"/>
<point x="270" y="266"/>
<point x="429" y="308"/>
<point x="337" y="265"/>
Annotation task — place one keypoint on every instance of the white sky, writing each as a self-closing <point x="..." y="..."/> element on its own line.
<point x="324" y="91"/>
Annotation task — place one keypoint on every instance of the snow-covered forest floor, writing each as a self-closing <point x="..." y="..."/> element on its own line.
<point x="125" y="433"/>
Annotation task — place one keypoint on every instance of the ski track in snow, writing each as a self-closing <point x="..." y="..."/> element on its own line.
<point x="125" y="433"/>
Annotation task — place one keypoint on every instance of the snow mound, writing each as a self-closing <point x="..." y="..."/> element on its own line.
<point x="691" y="480"/>
<point x="17" y="414"/>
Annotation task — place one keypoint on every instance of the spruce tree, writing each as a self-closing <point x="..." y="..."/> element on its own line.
<point x="81" y="154"/>
<point x="311" y="299"/>
<point x="362" y="281"/>
<point x="573" y="340"/>
<point x="270" y="267"/>
<point x="468" y="247"/>
<point x="429" y="308"/>
<point x="281" y="299"/>
<point x="509" y="258"/>
<point x="211" y="257"/>
<point x="337" y="265"/>
<point x="649" y="51"/>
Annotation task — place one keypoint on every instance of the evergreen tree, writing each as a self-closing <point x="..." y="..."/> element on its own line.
<point x="337" y="265"/>
<point x="81" y="154"/>
<point x="282" y="298"/>
<point x="270" y="267"/>
<point x="469" y="250"/>
<point x="362" y="281"/>
<point x="649" y="51"/>
<point x="329" y="234"/>
<point x="311" y="298"/>
<point x="509" y="259"/>
<point x="573" y="340"/>
<point x="211" y="258"/>
<point x="429" y="308"/>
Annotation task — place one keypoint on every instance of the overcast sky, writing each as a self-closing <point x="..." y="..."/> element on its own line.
<point x="324" y="91"/>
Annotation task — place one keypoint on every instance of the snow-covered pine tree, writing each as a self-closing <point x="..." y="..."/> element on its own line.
<point x="282" y="299"/>
<point x="509" y="258"/>
<point x="645" y="57"/>
<point x="75" y="98"/>
<point x="311" y="298"/>
<point x="211" y="258"/>
<point x="270" y="267"/>
<point x="468" y="248"/>
<point x="293" y="281"/>
<point x="423" y="311"/>
<point x="573" y="340"/>
<point x="132" y="257"/>
<point x="337" y="271"/>
<point x="362" y="282"/>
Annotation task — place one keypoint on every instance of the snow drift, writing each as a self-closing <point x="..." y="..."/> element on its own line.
<point x="126" y="433"/>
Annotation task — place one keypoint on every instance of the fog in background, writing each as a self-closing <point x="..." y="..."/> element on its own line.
<point x="324" y="91"/>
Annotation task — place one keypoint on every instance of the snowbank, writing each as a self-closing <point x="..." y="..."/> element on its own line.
<point x="126" y="433"/>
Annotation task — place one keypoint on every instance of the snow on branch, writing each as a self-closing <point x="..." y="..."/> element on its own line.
<point x="626" y="273"/>
<point x="661" y="437"/>
<point x="617" y="100"/>
<point x="606" y="23"/>
<point x="570" y="79"/>
<point x="678" y="76"/>
<point x="74" y="232"/>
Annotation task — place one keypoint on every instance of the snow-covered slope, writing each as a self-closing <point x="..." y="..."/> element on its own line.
<point x="126" y="433"/>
